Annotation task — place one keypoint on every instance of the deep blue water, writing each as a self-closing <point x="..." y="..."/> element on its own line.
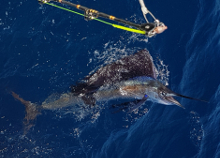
<point x="44" y="50"/>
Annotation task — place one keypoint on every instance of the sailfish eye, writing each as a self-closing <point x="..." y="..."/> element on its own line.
<point x="163" y="93"/>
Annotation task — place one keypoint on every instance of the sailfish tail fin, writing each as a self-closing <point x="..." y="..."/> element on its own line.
<point x="32" y="111"/>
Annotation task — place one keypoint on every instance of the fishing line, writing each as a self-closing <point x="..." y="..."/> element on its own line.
<point x="102" y="21"/>
<point x="149" y="29"/>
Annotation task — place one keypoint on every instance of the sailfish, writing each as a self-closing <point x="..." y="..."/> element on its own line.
<point x="132" y="77"/>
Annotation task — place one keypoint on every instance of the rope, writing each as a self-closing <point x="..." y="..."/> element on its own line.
<point x="145" y="11"/>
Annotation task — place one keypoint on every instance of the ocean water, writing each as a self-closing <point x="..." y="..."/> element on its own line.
<point x="43" y="50"/>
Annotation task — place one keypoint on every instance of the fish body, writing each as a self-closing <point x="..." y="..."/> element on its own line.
<point x="135" y="88"/>
<point x="131" y="89"/>
<point x="132" y="77"/>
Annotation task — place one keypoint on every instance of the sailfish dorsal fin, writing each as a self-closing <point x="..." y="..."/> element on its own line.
<point x="138" y="64"/>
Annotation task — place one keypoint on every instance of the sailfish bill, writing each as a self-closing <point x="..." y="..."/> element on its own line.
<point x="183" y="96"/>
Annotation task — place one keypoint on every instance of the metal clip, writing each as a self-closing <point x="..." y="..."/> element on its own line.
<point x="90" y="14"/>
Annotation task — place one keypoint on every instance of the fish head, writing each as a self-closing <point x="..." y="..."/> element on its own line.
<point x="166" y="96"/>
<point x="162" y="94"/>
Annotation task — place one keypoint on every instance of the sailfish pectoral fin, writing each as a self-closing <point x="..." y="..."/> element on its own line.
<point x="142" y="101"/>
